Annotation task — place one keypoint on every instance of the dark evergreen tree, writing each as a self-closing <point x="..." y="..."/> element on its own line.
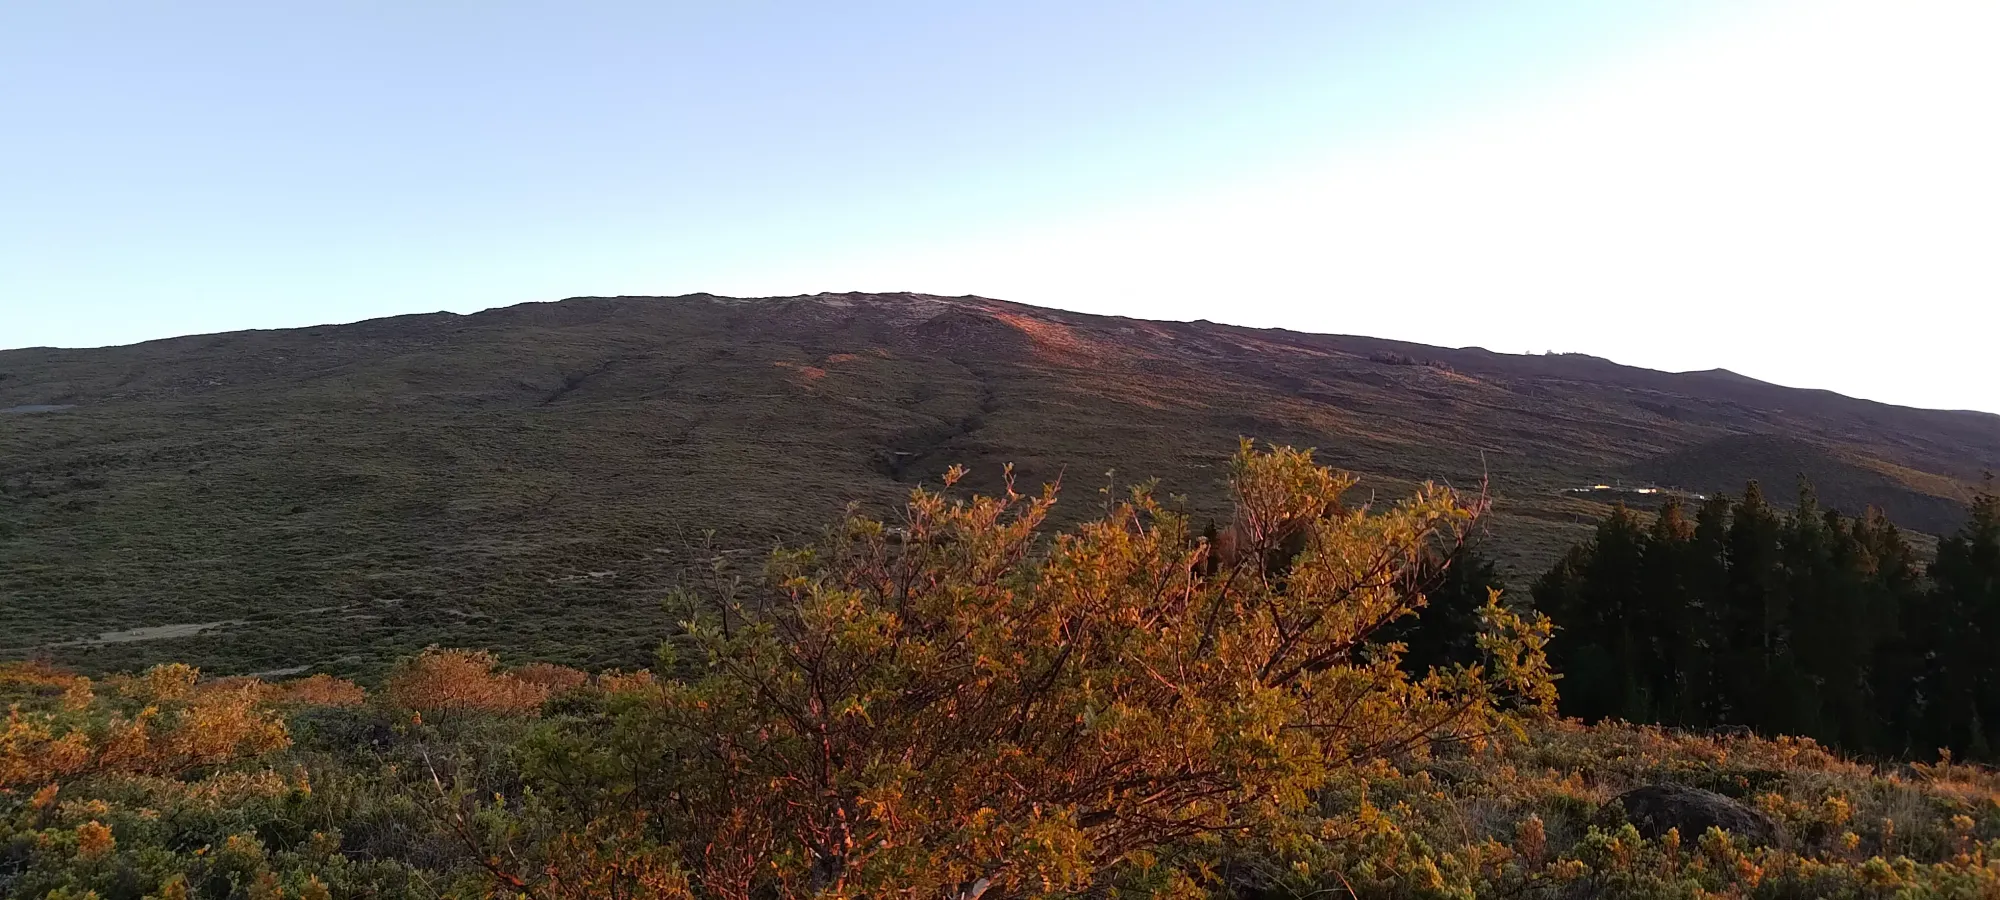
<point x="1675" y="616"/>
<point x="1963" y="615"/>
<point x="1447" y="631"/>
<point x="1786" y="623"/>
<point x="1707" y="581"/>
<point x="1752" y="612"/>
<point x="1591" y="596"/>
<point x="1896" y="677"/>
<point x="1805" y="622"/>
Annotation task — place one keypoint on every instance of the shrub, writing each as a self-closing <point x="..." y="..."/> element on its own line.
<point x="461" y="681"/>
<point x="956" y="706"/>
<point x="553" y="678"/>
<point x="120" y="792"/>
<point x="317" y="690"/>
<point x="177" y="729"/>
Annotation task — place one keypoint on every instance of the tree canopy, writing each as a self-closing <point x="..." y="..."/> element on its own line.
<point x="1805" y="622"/>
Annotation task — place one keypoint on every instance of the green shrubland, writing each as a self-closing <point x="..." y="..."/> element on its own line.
<point x="960" y="704"/>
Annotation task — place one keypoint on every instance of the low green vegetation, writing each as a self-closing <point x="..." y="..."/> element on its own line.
<point x="1305" y="701"/>
<point x="534" y="479"/>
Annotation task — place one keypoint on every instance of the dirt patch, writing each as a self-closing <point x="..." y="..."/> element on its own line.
<point x="802" y="375"/>
<point x="1053" y="340"/>
<point x="149" y="633"/>
<point x="286" y="672"/>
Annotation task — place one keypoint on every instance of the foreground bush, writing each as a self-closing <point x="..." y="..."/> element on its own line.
<point x="159" y="785"/>
<point x="953" y="707"/>
<point x="1523" y="818"/>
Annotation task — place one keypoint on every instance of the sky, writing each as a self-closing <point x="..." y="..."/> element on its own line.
<point x="1803" y="191"/>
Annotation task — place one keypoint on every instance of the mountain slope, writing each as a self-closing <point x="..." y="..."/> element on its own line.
<point x="536" y="477"/>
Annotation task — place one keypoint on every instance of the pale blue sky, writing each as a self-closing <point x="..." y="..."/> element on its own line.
<point x="1398" y="169"/>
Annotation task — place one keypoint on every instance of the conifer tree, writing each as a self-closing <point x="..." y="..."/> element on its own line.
<point x="1753" y="610"/>
<point x="1804" y="606"/>
<point x="1677" y="616"/>
<point x="1964" y="612"/>
<point x="1798" y="623"/>
<point x="1592" y="595"/>
<point x="1707" y="581"/>
<point x="1896" y="594"/>
<point x="1446" y="634"/>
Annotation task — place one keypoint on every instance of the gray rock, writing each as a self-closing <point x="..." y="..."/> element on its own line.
<point x="1655" y="808"/>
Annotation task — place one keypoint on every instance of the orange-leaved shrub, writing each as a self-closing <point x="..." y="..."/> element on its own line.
<point x="158" y="724"/>
<point x="442" y="681"/>
<point x="315" y="690"/>
<point x="555" y="679"/>
<point x="115" y="787"/>
<point x="963" y="706"/>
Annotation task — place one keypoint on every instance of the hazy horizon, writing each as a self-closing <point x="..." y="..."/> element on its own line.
<point x="1802" y="193"/>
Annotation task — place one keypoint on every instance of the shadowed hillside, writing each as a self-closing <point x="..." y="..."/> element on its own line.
<point x="1841" y="479"/>
<point x="535" y="478"/>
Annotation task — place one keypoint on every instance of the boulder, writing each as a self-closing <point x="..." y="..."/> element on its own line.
<point x="1657" y="807"/>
